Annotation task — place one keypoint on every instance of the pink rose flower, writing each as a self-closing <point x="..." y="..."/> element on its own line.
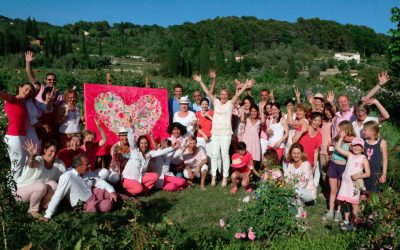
<point x="251" y="235"/>
<point x="221" y="223"/>
<point x="238" y="235"/>
<point x="304" y="214"/>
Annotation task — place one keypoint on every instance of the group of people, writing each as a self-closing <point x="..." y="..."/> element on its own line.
<point x="217" y="135"/>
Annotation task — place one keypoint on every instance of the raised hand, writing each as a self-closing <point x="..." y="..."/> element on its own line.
<point x="212" y="73"/>
<point x="249" y="83"/>
<point x="310" y="98"/>
<point x="29" y="56"/>
<point x="271" y="95"/>
<point x="383" y="77"/>
<point x="330" y="97"/>
<point x="297" y="93"/>
<point x="30" y="147"/>
<point x="197" y="78"/>
<point x="176" y="144"/>
<point x="239" y="84"/>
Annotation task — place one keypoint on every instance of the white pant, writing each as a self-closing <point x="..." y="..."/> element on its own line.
<point x="317" y="175"/>
<point x="264" y="145"/>
<point x="203" y="168"/>
<point x="107" y="175"/>
<point x="17" y="154"/>
<point x="304" y="195"/>
<point x="220" y="147"/>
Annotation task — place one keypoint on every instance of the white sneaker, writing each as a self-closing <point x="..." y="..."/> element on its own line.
<point x="338" y="216"/>
<point x="328" y="216"/>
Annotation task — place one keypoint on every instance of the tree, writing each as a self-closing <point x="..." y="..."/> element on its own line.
<point x="292" y="70"/>
<point x="69" y="44"/>
<point x="63" y="46"/>
<point x="55" y="46"/>
<point x="83" y="49"/>
<point x="204" y="57"/>
<point x="47" y="44"/>
<point x="219" y="58"/>
<point x="28" y="26"/>
<point x="172" y="59"/>
<point x="391" y="99"/>
<point x="100" y="46"/>
<point x="35" y="29"/>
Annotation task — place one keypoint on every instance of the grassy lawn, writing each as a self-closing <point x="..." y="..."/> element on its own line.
<point x="197" y="211"/>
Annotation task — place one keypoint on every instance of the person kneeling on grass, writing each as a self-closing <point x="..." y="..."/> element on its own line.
<point x="242" y="165"/>
<point x="97" y="194"/>
<point x="195" y="160"/>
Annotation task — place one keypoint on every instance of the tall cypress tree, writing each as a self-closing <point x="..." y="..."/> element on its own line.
<point x="35" y="29"/>
<point x="55" y="46"/>
<point x="204" y="57"/>
<point x="292" y="71"/>
<point x="84" y="51"/>
<point x="47" y="44"/>
<point x="219" y="58"/>
<point x="69" y="44"/>
<point x="172" y="59"/>
<point x="28" y="26"/>
<point x="100" y="46"/>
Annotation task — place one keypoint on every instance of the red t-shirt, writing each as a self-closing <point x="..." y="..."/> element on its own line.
<point x="205" y="124"/>
<point x="310" y="144"/>
<point x="91" y="154"/>
<point x="67" y="155"/>
<point x="247" y="159"/>
<point x="17" y="115"/>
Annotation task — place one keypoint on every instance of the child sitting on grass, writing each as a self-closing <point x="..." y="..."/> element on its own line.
<point x="270" y="167"/>
<point x="242" y="165"/>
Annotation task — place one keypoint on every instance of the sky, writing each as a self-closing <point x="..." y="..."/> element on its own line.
<point x="372" y="13"/>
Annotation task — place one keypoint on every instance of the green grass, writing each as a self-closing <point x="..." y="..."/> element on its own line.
<point x="197" y="211"/>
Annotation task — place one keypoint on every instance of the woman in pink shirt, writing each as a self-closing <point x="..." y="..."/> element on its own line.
<point x="16" y="130"/>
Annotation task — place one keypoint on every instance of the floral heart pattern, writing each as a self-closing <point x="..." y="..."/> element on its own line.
<point x="112" y="111"/>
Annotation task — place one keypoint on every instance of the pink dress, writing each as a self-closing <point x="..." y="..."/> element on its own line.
<point x="251" y="136"/>
<point x="353" y="166"/>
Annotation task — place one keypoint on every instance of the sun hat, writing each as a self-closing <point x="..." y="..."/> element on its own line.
<point x="237" y="163"/>
<point x="319" y="96"/>
<point x="122" y="131"/>
<point x="184" y="99"/>
<point x="357" y="141"/>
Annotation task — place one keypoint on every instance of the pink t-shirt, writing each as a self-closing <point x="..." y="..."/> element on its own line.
<point x="205" y="124"/>
<point x="326" y="137"/>
<point x="17" y="115"/>
<point x="247" y="159"/>
<point x="310" y="144"/>
<point x="194" y="159"/>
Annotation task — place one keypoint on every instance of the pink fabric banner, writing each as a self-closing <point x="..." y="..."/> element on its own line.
<point x="113" y="105"/>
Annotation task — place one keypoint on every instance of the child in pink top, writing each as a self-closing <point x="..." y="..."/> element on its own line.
<point x="357" y="167"/>
<point x="242" y="165"/>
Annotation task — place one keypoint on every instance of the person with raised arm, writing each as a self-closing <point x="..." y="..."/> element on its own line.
<point x="346" y="112"/>
<point x="362" y="115"/>
<point x="16" y="130"/>
<point x="135" y="177"/>
<point x="198" y="97"/>
<point x="38" y="181"/>
<point x="221" y="127"/>
<point x="51" y="79"/>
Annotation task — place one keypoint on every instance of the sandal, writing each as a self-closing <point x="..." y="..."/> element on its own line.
<point x="234" y="190"/>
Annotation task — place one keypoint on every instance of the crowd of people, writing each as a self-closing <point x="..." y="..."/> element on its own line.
<point x="217" y="138"/>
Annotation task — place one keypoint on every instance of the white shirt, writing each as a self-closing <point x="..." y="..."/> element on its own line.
<point x="71" y="124"/>
<point x="358" y="129"/>
<point x="77" y="187"/>
<point x="41" y="173"/>
<point x="222" y="119"/>
<point x="137" y="164"/>
<point x="186" y="121"/>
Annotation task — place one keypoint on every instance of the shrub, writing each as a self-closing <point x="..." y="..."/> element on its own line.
<point x="271" y="215"/>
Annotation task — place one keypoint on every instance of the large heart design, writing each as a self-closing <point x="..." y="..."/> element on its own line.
<point x="112" y="111"/>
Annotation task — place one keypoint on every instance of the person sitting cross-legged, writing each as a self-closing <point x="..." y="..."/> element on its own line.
<point x="97" y="194"/>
